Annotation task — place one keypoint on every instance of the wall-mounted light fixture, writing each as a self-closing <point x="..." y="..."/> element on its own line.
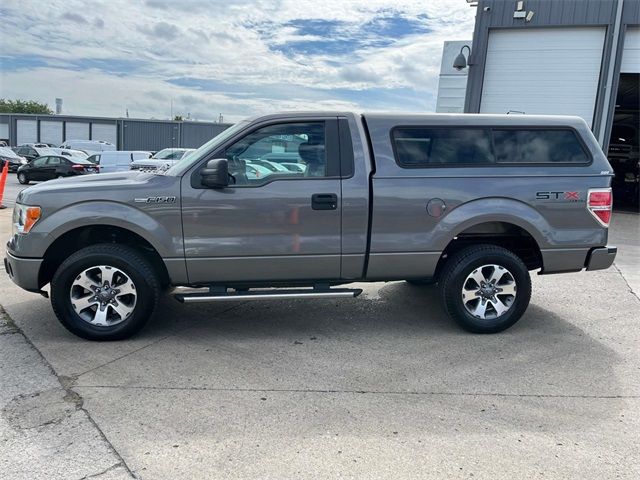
<point x="461" y="61"/>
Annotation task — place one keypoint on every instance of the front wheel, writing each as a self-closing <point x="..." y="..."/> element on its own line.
<point x="485" y="288"/>
<point x="22" y="178"/>
<point x="105" y="292"/>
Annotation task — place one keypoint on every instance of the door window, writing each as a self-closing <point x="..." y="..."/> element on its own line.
<point x="53" y="161"/>
<point x="39" y="162"/>
<point x="288" y="150"/>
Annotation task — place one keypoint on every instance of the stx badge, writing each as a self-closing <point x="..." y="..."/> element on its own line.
<point x="566" y="196"/>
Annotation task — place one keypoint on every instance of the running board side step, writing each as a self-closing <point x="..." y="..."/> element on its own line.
<point x="275" y="294"/>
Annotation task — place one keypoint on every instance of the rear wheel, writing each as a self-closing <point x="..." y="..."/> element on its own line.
<point x="105" y="292"/>
<point x="485" y="288"/>
<point x="22" y="178"/>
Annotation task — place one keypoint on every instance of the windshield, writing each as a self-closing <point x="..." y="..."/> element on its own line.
<point x="81" y="161"/>
<point x="7" y="152"/>
<point x="194" y="156"/>
<point x="169" y="154"/>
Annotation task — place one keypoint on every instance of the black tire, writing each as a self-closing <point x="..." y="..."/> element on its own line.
<point x="470" y="259"/>
<point x="22" y="178"/>
<point x="122" y="257"/>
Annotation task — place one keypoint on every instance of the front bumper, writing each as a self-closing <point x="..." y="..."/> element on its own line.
<point x="23" y="271"/>
<point x="601" y="258"/>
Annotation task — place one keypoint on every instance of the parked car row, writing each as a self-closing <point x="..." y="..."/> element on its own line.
<point x="49" y="167"/>
<point x="161" y="160"/>
<point x="40" y="162"/>
<point x="15" y="160"/>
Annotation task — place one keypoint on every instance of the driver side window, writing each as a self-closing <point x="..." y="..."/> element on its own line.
<point x="279" y="151"/>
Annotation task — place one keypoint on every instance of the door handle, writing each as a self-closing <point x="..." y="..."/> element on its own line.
<point x="324" y="201"/>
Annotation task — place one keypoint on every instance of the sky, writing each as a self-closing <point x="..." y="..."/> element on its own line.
<point x="237" y="58"/>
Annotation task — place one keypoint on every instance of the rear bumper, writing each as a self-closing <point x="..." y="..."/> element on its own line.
<point x="23" y="271"/>
<point x="601" y="258"/>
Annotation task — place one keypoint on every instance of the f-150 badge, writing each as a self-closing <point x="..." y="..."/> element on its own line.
<point x="155" y="200"/>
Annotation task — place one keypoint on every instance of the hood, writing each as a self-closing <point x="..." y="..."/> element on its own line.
<point x="156" y="162"/>
<point x="120" y="187"/>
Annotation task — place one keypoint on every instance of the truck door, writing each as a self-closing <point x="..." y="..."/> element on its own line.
<point x="274" y="222"/>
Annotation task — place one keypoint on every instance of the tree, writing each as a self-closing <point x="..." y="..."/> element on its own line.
<point x="24" y="106"/>
<point x="178" y="118"/>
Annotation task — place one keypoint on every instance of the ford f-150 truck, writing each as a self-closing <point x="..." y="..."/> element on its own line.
<point x="470" y="202"/>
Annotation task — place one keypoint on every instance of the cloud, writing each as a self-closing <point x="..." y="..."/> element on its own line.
<point x="74" y="17"/>
<point x="161" y="31"/>
<point x="238" y="57"/>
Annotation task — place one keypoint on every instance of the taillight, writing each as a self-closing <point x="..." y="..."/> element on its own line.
<point x="599" y="203"/>
<point x="78" y="167"/>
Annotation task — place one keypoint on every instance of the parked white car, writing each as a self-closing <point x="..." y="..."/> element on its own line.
<point x="118" y="161"/>
<point x="88" y="145"/>
<point x="70" y="153"/>
<point x="162" y="160"/>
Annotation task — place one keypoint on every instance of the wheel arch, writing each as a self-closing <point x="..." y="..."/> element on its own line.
<point x="508" y="223"/>
<point x="79" y="237"/>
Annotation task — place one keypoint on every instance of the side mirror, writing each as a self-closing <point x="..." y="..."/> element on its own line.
<point x="216" y="173"/>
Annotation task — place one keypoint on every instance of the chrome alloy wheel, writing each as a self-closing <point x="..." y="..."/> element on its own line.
<point x="489" y="291"/>
<point x="103" y="296"/>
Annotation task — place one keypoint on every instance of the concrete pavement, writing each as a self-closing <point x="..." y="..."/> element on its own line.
<point x="11" y="190"/>
<point x="44" y="430"/>
<point x="379" y="387"/>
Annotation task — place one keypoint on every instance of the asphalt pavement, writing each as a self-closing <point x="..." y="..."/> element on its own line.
<point x="383" y="386"/>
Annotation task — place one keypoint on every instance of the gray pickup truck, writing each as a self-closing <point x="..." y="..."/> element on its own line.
<point x="298" y="205"/>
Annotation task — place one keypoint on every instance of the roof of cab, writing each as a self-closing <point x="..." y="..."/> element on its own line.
<point x="464" y="119"/>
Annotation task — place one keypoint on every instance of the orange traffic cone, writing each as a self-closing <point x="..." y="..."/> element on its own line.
<point x="3" y="180"/>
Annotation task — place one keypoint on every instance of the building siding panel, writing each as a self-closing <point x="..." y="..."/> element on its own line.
<point x="143" y="134"/>
<point x="154" y="136"/>
<point x="194" y="134"/>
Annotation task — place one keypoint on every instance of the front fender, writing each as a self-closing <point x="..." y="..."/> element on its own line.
<point x="158" y="224"/>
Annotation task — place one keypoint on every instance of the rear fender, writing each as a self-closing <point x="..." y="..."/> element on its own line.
<point x="497" y="209"/>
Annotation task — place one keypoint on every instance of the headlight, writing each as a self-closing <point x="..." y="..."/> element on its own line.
<point x="24" y="218"/>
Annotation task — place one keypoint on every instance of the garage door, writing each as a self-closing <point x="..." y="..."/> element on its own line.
<point x="77" y="131"/>
<point x="104" y="131"/>
<point x="4" y="131"/>
<point x="631" y="52"/>
<point x="51" y="132"/>
<point x="26" y="131"/>
<point x="543" y="71"/>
